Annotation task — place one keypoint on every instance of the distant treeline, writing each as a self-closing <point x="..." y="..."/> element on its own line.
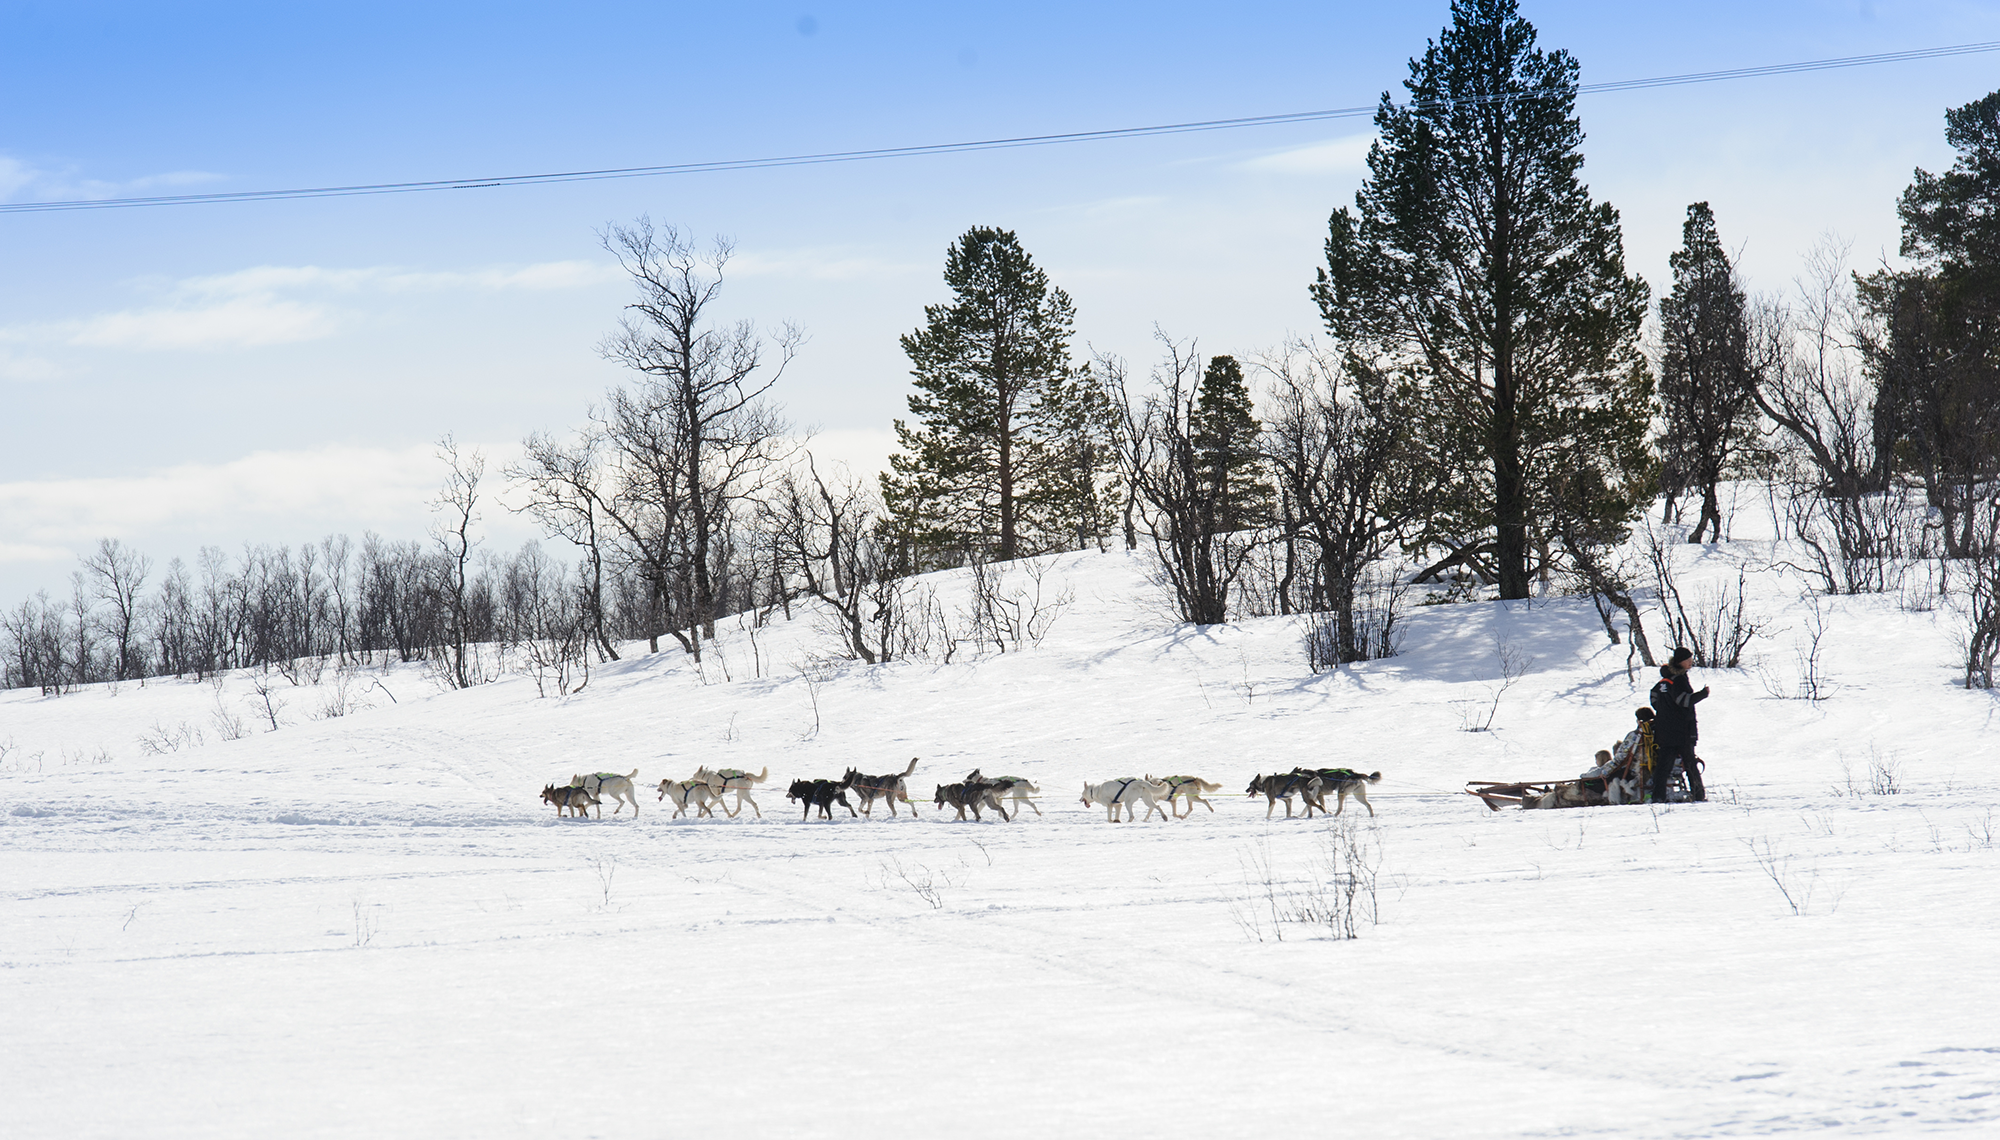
<point x="337" y="601"/>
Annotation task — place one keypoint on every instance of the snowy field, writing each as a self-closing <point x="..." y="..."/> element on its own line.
<point x="369" y="925"/>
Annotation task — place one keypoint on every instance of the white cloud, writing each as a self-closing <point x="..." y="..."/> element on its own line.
<point x="25" y="182"/>
<point x="238" y="323"/>
<point x="269" y="279"/>
<point x="282" y="304"/>
<point x="262" y="489"/>
<point x="27" y="369"/>
<point x="819" y="265"/>
<point x="1331" y="157"/>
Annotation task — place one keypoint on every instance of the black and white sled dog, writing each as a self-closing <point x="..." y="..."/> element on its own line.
<point x="568" y="799"/>
<point x="689" y="794"/>
<point x="891" y="787"/>
<point x="601" y="784"/>
<point x="1343" y="781"/>
<point x="821" y="794"/>
<point x="1123" y="792"/>
<point x="1014" y="789"/>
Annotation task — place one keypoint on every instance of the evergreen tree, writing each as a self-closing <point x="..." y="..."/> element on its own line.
<point x="989" y="464"/>
<point x="1225" y="432"/>
<point x="1934" y="347"/>
<point x="1475" y="268"/>
<point x="1707" y="378"/>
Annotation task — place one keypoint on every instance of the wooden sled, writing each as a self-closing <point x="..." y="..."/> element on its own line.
<point x="1539" y="793"/>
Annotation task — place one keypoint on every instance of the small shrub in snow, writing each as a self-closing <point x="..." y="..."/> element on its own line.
<point x="926" y="883"/>
<point x="1797" y="889"/>
<point x="160" y="740"/>
<point x="1514" y="665"/>
<point x="1338" y="892"/>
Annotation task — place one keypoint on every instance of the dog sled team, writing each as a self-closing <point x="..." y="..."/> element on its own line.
<point x="1168" y="797"/>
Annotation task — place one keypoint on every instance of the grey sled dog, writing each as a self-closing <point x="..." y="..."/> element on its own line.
<point x="892" y="787"/>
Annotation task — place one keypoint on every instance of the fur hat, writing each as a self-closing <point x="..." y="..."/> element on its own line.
<point x="1643" y="714"/>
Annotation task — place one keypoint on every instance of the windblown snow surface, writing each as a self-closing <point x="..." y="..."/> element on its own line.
<point x="368" y="925"/>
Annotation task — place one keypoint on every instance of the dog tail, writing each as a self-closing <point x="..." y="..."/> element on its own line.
<point x="1375" y="777"/>
<point x="633" y="775"/>
<point x="912" y="767"/>
<point x="1205" y="786"/>
<point x="762" y="776"/>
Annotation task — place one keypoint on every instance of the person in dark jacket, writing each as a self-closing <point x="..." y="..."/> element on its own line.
<point x="1675" y="730"/>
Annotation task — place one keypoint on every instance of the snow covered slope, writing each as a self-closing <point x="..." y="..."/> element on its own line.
<point x="369" y="925"/>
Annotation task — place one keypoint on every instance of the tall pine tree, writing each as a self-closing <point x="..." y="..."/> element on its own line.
<point x="1475" y="268"/>
<point x="1935" y="343"/>
<point x="989" y="465"/>
<point x="1707" y="378"/>
<point x="1225" y="438"/>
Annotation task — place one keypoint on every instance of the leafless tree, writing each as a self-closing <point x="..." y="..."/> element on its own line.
<point x="693" y="436"/>
<point x="825" y="532"/>
<point x="565" y="494"/>
<point x="1812" y="385"/>
<point x="1337" y="450"/>
<point x="118" y="574"/>
<point x="457" y="505"/>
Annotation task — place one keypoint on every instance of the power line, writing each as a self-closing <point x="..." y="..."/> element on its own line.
<point x="948" y="148"/>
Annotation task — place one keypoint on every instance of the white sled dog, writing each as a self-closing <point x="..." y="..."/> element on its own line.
<point x="1124" y="792"/>
<point x="601" y="784"/>
<point x="735" y="780"/>
<point x="1190" y="786"/>
<point x="1016" y="789"/>
<point x="689" y="794"/>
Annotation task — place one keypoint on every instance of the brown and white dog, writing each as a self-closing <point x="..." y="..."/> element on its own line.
<point x="733" y="780"/>
<point x="568" y="799"/>
<point x="1190" y="786"/>
<point x="689" y="794"/>
<point x="600" y="784"/>
<point x="890" y="787"/>
<point x="1123" y="792"/>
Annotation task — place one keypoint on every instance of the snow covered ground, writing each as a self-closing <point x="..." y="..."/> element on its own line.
<point x="369" y="924"/>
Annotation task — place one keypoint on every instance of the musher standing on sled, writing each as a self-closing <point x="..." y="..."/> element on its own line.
<point x="1674" y="727"/>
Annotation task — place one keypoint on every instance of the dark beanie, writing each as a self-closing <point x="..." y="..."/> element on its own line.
<point x="1643" y="714"/>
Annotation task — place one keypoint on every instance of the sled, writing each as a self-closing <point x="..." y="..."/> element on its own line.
<point x="1582" y="791"/>
<point x="1539" y="793"/>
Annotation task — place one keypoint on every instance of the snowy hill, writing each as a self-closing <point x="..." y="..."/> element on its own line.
<point x="369" y="924"/>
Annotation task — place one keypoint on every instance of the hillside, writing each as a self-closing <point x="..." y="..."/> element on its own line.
<point x="370" y="924"/>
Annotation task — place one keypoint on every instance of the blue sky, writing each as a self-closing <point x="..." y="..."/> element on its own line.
<point x="274" y="372"/>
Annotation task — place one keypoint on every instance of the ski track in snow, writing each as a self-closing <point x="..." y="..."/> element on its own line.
<point x="370" y="924"/>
